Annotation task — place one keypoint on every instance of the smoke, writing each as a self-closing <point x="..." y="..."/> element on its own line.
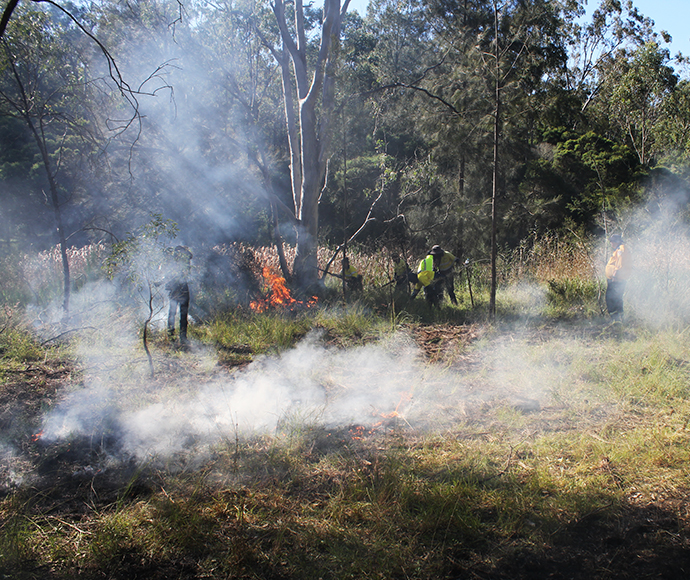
<point x="310" y="384"/>
<point x="657" y="237"/>
<point x="192" y="163"/>
<point x="13" y="468"/>
<point x="196" y="158"/>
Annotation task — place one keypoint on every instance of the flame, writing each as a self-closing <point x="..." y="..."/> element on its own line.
<point x="277" y="294"/>
<point x="404" y="398"/>
<point x="360" y="432"/>
<point x="37" y="436"/>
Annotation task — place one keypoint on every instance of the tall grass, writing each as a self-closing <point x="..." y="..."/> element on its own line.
<point x="36" y="280"/>
<point x="17" y="343"/>
<point x="562" y="267"/>
<point x="560" y="276"/>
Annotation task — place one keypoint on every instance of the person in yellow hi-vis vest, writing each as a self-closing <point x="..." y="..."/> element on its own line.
<point x="618" y="271"/>
<point x="401" y="274"/>
<point x="426" y="277"/>
<point x="352" y="278"/>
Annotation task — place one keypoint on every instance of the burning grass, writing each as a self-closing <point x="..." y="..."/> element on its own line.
<point x="277" y="296"/>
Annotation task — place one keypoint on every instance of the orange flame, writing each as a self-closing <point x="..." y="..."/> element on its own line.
<point x="360" y="432"/>
<point x="404" y="398"/>
<point x="277" y="294"/>
<point x="37" y="436"/>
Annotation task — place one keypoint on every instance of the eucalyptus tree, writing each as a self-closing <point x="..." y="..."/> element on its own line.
<point x="235" y="143"/>
<point x="636" y="86"/>
<point x="355" y="164"/>
<point x="613" y="26"/>
<point x="672" y="133"/>
<point x="249" y="105"/>
<point x="611" y="162"/>
<point x="375" y="132"/>
<point x="309" y="80"/>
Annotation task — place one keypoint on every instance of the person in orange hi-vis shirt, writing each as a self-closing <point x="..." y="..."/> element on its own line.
<point x="618" y="271"/>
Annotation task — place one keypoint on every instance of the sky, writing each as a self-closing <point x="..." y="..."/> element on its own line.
<point x="669" y="15"/>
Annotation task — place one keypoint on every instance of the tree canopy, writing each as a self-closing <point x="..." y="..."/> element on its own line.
<point x="273" y="121"/>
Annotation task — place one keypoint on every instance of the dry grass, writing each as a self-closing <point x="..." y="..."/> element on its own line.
<point x="376" y="268"/>
<point x="551" y="258"/>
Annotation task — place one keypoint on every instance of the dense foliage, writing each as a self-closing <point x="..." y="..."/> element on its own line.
<point x="123" y="110"/>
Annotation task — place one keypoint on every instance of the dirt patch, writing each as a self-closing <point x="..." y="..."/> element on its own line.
<point x="443" y="342"/>
<point x="27" y="391"/>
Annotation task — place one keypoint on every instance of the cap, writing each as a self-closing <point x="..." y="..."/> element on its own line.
<point x="436" y="251"/>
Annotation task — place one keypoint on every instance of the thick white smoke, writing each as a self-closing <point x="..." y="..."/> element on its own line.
<point x="317" y="384"/>
<point x="309" y="384"/>
<point x="657" y="236"/>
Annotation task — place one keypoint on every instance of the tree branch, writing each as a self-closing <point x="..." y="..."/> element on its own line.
<point x="6" y="15"/>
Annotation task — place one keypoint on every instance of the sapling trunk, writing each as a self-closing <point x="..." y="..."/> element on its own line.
<point x="146" y="331"/>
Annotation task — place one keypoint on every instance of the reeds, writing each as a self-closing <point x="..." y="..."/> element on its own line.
<point x="37" y="278"/>
<point x="553" y="275"/>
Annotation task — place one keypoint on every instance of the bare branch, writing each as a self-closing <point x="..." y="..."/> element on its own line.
<point x="397" y="85"/>
<point x="6" y="15"/>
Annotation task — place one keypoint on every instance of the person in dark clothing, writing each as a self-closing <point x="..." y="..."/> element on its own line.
<point x="178" y="290"/>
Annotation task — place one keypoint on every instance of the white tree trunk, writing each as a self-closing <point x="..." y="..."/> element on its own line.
<point x="309" y="133"/>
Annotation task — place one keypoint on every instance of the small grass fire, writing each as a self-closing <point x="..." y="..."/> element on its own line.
<point x="361" y="432"/>
<point x="277" y="295"/>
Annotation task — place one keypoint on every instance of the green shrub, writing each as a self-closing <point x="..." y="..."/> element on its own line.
<point x="569" y="297"/>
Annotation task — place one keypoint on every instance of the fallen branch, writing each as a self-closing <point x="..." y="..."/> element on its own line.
<point x="71" y="330"/>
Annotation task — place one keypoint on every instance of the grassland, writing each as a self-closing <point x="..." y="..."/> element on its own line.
<point x="549" y="443"/>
